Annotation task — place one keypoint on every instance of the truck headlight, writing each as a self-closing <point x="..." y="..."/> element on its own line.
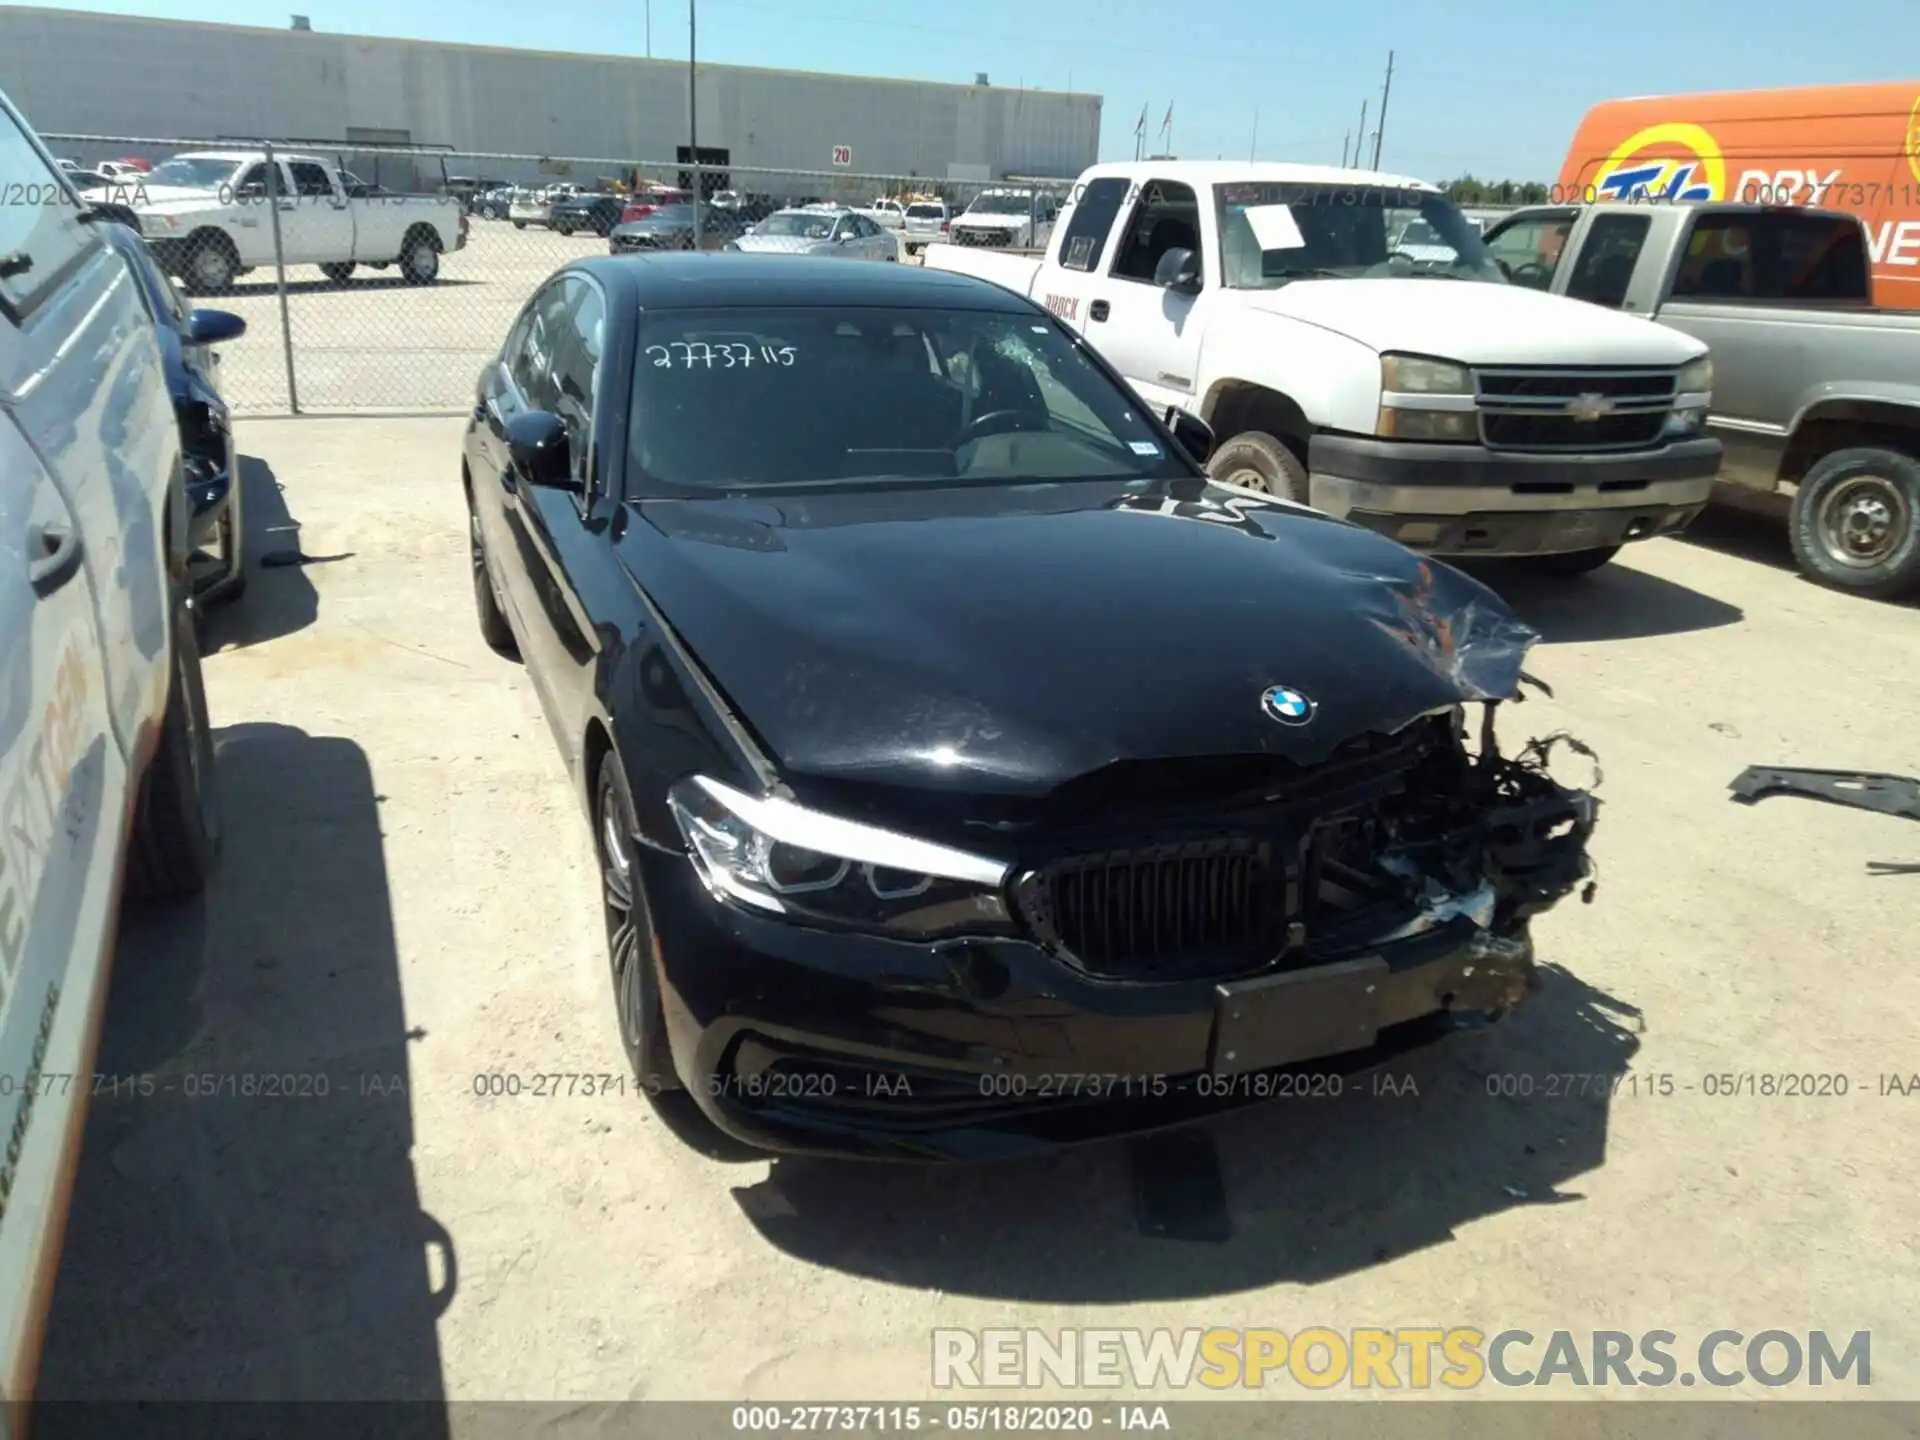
<point x="776" y="856"/>
<point x="1419" y="375"/>
<point x="156" y="224"/>
<point x="1399" y="423"/>
<point x="1696" y="377"/>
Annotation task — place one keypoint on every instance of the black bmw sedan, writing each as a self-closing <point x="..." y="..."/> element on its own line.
<point x="969" y="773"/>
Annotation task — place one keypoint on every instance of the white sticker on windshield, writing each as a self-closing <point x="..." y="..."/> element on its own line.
<point x="1038" y="329"/>
<point x="1274" y="227"/>
<point x="1145" y="447"/>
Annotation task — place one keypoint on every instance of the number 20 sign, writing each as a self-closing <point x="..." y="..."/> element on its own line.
<point x="843" y="155"/>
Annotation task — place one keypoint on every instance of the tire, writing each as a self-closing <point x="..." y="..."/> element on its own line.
<point x="176" y="825"/>
<point x="420" y="259"/>
<point x="1856" y="523"/>
<point x="493" y="621"/>
<point x="211" y="265"/>
<point x="519" y="224"/>
<point x="563" y="229"/>
<point x="1573" y="562"/>
<point x="1254" y="460"/>
<point x="340" y="273"/>
<point x="630" y="944"/>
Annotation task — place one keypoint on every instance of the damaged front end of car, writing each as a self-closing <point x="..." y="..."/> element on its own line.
<point x="1417" y="844"/>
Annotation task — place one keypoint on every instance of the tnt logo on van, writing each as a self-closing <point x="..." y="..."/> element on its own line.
<point x="1664" y="162"/>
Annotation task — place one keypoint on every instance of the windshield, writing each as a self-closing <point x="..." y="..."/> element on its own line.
<point x="1000" y="205"/>
<point x="1274" y="233"/>
<point x="844" y="396"/>
<point x="925" y="212"/>
<point x="807" y="227"/>
<point x="193" y="172"/>
<point x="667" y="215"/>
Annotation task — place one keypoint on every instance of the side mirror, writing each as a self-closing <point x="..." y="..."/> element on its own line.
<point x="210" y="327"/>
<point x="1194" y="434"/>
<point x="1179" y="270"/>
<point x="537" y="446"/>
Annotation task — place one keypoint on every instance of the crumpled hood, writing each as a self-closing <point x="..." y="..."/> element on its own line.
<point x="1007" y="639"/>
<point x="1476" y="322"/>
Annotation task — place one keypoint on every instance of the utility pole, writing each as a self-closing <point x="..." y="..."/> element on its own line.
<point x="693" y="124"/>
<point x="1254" y="143"/>
<point x="1346" y="144"/>
<point x="1385" y="91"/>
<point x="649" y="29"/>
<point x="1361" y="142"/>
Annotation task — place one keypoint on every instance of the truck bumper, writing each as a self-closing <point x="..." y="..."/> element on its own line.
<point x="1468" y="500"/>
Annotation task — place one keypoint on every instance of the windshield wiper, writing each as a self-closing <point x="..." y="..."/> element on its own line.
<point x="1305" y="272"/>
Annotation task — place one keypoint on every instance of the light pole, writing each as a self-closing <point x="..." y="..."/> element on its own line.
<point x="693" y="123"/>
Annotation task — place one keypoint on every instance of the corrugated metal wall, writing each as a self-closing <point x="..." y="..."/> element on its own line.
<point x="122" y="75"/>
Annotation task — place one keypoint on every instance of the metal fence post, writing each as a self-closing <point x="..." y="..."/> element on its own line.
<point x="280" y="276"/>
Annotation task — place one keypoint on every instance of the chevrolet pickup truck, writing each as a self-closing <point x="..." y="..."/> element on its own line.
<point x="1817" y="398"/>
<point x="1429" y="399"/>
<point x="106" y="755"/>
<point x="208" y="216"/>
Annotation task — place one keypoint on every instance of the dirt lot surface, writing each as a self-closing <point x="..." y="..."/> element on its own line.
<point x="407" y="902"/>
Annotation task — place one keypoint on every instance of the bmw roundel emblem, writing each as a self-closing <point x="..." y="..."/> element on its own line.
<point x="1287" y="705"/>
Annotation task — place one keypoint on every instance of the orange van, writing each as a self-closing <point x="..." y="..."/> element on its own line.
<point x="1846" y="147"/>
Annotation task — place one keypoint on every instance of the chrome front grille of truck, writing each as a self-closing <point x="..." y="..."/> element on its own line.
<point x="1555" y="410"/>
<point x="995" y="238"/>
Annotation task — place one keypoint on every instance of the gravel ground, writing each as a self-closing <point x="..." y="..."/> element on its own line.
<point x="407" y="902"/>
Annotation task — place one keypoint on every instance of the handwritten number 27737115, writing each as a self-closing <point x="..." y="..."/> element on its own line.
<point x="728" y="355"/>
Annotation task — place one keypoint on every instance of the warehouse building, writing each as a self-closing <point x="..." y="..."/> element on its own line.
<point x="73" y="72"/>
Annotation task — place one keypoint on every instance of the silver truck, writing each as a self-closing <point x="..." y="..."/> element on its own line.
<point x="1816" y="393"/>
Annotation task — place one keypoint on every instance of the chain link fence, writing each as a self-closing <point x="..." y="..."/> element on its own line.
<point x="381" y="279"/>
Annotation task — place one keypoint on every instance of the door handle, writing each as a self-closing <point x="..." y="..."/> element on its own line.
<point x="1098" y="310"/>
<point x="54" y="551"/>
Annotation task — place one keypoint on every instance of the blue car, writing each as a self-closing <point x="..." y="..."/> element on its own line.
<point x="187" y="337"/>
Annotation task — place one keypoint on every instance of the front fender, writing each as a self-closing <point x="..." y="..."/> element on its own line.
<point x="1334" y="379"/>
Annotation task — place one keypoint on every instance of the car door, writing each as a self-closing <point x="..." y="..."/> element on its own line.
<point x="562" y="535"/>
<point x="1070" y="278"/>
<point x="1147" y="332"/>
<point x="873" y="242"/>
<point x="319" y="228"/>
<point x="78" y="368"/>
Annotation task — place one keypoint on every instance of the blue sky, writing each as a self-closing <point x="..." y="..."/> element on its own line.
<point x="1495" y="86"/>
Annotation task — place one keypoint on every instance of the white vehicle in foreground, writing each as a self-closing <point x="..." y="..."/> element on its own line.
<point x="209" y="215"/>
<point x="106" y="754"/>
<point x="1429" y="400"/>
<point x="1006" y="220"/>
<point x="835" y="234"/>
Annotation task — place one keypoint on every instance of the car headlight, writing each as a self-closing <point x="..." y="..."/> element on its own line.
<point x="156" y="224"/>
<point x="1420" y="375"/>
<point x="777" y="856"/>
<point x="1696" y="377"/>
<point x="1399" y="423"/>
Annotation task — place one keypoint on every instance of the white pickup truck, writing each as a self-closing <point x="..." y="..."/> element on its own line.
<point x="1418" y="394"/>
<point x="1006" y="220"/>
<point x="208" y="215"/>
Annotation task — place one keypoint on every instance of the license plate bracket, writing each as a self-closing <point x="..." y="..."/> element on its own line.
<point x="1298" y="1015"/>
